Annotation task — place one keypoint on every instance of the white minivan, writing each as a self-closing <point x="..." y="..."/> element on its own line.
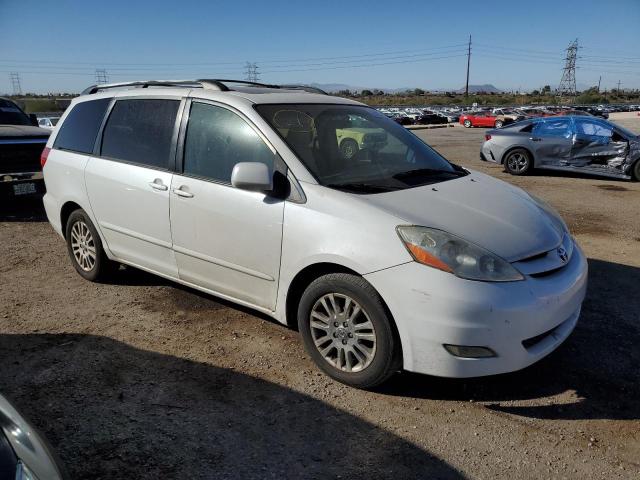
<point x="318" y="211"/>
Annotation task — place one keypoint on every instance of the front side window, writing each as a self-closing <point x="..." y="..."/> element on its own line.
<point x="79" y="131"/>
<point x="593" y="129"/>
<point x="140" y="131"/>
<point x="356" y="148"/>
<point x="559" y="128"/>
<point x="217" y="139"/>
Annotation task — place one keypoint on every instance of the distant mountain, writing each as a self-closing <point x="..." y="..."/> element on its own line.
<point x="486" y="88"/>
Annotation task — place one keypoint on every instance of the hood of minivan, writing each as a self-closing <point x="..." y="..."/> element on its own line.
<point x="488" y="212"/>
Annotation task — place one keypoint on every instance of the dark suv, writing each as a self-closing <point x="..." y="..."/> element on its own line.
<point x="21" y="143"/>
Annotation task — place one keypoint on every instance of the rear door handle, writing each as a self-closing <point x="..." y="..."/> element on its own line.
<point x="158" y="185"/>
<point x="535" y="139"/>
<point x="182" y="193"/>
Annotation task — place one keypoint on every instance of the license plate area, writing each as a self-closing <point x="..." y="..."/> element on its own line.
<point x="25" y="188"/>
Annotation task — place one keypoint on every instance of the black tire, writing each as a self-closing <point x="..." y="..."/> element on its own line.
<point x="385" y="359"/>
<point x="467" y="123"/>
<point x="348" y="148"/>
<point x="518" y="162"/>
<point x="499" y="124"/>
<point x="635" y="171"/>
<point x="101" y="266"/>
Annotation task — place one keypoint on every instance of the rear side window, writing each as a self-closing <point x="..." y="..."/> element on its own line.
<point x="553" y="128"/>
<point x="80" y="128"/>
<point x="141" y="131"/>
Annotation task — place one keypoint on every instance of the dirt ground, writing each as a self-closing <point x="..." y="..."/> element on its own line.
<point x="141" y="378"/>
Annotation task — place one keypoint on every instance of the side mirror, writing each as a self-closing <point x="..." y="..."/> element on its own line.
<point x="34" y="119"/>
<point x="252" y="176"/>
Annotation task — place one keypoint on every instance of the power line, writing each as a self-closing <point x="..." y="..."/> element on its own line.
<point x="61" y="62"/>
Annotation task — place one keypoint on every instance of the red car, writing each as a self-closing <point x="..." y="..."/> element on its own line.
<point x="483" y="119"/>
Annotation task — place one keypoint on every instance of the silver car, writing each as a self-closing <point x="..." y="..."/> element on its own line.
<point x="579" y="144"/>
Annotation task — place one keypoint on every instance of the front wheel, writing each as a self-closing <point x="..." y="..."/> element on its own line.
<point x="467" y="123"/>
<point x="347" y="331"/>
<point x="499" y="124"/>
<point x="635" y="171"/>
<point x="518" y="162"/>
<point x="85" y="247"/>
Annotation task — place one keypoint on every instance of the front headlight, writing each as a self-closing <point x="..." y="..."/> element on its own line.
<point x="446" y="252"/>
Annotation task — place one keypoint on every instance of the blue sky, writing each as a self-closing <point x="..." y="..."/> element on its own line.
<point x="58" y="45"/>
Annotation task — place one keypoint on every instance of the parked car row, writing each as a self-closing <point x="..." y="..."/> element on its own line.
<point x="494" y="117"/>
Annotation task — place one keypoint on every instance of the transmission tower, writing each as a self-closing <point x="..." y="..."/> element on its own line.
<point x="101" y="76"/>
<point x="567" y="87"/>
<point x="15" y="83"/>
<point x="251" y="72"/>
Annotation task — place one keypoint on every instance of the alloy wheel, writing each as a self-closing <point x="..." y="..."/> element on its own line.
<point x="518" y="162"/>
<point x="83" y="246"/>
<point x="342" y="332"/>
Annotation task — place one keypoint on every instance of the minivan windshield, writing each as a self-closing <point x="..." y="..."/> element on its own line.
<point x="356" y="148"/>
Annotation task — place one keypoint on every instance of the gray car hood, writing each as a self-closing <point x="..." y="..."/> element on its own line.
<point x="488" y="212"/>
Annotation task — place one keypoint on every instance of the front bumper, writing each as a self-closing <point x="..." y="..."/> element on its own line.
<point x="432" y="308"/>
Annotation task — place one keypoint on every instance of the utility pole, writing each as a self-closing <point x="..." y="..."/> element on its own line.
<point x="567" y="85"/>
<point x="618" y="87"/>
<point x="101" y="76"/>
<point x="251" y="72"/>
<point x="466" y="88"/>
<point x="599" y="80"/>
<point x="15" y="83"/>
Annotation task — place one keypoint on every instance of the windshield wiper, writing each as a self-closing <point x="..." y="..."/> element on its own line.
<point x="361" y="187"/>
<point x="429" y="172"/>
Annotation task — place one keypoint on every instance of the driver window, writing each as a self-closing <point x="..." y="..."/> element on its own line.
<point x="217" y="139"/>
<point x="593" y="129"/>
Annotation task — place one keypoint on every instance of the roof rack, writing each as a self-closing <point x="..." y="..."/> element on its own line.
<point x="306" y="88"/>
<point x="208" y="83"/>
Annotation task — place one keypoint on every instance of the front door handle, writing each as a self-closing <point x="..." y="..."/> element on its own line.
<point x="158" y="185"/>
<point x="535" y="139"/>
<point x="182" y="193"/>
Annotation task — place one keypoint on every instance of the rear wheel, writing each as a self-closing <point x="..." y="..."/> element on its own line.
<point x="85" y="247"/>
<point x="467" y="123"/>
<point x="518" y="162"/>
<point x="347" y="331"/>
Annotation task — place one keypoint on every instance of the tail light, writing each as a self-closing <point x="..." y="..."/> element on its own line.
<point x="487" y="137"/>
<point x="44" y="155"/>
